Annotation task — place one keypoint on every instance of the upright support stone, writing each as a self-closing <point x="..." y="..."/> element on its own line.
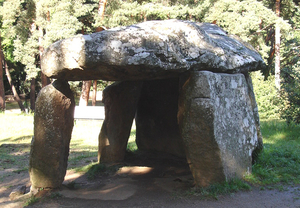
<point x="120" y="101"/>
<point x="217" y="125"/>
<point x="53" y="124"/>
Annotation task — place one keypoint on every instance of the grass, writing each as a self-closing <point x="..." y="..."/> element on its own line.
<point x="32" y="200"/>
<point x="16" y="131"/>
<point x="214" y="190"/>
<point x="15" y="136"/>
<point x="278" y="164"/>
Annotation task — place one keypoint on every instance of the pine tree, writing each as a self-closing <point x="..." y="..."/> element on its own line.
<point x="35" y="24"/>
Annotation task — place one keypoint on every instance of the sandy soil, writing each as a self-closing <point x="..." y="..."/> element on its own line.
<point x="143" y="181"/>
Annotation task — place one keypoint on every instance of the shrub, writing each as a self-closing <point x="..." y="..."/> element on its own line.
<point x="266" y="96"/>
<point x="290" y="94"/>
<point x="290" y="77"/>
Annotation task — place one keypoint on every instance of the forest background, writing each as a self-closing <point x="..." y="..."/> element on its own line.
<point x="272" y="27"/>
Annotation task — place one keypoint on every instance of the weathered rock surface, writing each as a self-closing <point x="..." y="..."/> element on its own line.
<point x="217" y="124"/>
<point x="17" y="192"/>
<point x="53" y="124"/>
<point x="156" y="117"/>
<point x="120" y="100"/>
<point x="149" y="50"/>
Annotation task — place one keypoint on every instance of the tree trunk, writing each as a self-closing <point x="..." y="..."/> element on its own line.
<point x="85" y="93"/>
<point x="44" y="78"/>
<point x="2" y="90"/>
<point x="277" y="48"/>
<point x="101" y="8"/>
<point x="32" y="94"/>
<point x="16" y="96"/>
<point x="101" y="12"/>
<point x="94" y="99"/>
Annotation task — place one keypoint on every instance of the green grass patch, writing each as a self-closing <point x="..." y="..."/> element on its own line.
<point x="16" y="131"/>
<point x="16" y="128"/>
<point x="279" y="162"/>
<point x="217" y="189"/>
<point x="32" y="200"/>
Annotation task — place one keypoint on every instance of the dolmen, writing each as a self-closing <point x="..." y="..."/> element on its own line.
<point x="186" y="84"/>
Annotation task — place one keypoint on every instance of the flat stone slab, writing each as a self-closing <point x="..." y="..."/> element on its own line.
<point x="149" y="50"/>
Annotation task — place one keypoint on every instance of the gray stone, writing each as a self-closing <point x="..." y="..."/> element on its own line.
<point x="149" y="50"/>
<point x="120" y="100"/>
<point x="156" y="117"/>
<point x="218" y="126"/>
<point x="53" y="124"/>
<point x="17" y="192"/>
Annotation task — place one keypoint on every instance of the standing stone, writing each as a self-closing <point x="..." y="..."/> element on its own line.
<point x="156" y="118"/>
<point x="217" y="125"/>
<point x="53" y="124"/>
<point x="120" y="101"/>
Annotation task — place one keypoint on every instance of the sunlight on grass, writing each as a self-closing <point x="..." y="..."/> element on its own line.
<point x="85" y="134"/>
<point x="16" y="131"/>
<point x="280" y="160"/>
<point x="16" y="128"/>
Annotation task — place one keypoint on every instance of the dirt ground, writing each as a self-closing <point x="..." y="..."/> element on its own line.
<point x="145" y="180"/>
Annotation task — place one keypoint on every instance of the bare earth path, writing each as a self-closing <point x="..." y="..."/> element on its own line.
<point x="144" y="181"/>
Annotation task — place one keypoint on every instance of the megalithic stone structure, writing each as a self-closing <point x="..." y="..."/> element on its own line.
<point x="186" y="83"/>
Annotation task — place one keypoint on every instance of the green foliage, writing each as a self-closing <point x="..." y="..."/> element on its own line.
<point x="266" y="96"/>
<point x="30" y="25"/>
<point x="290" y="95"/>
<point x="32" y="200"/>
<point x="290" y="74"/>
<point x="131" y="146"/>
<point x="279" y="162"/>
